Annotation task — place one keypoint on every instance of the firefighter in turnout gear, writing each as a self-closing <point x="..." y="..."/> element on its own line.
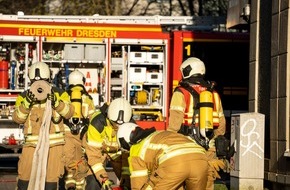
<point x="75" y="127"/>
<point x="163" y="159"/>
<point x="186" y="113"/>
<point x="41" y="109"/>
<point x="100" y="143"/>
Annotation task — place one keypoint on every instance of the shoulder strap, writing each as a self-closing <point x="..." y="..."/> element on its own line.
<point x="186" y="86"/>
<point x="193" y="92"/>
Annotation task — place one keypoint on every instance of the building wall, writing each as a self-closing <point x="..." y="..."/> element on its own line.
<point x="269" y="85"/>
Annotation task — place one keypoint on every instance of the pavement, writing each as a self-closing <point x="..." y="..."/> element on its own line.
<point x="8" y="179"/>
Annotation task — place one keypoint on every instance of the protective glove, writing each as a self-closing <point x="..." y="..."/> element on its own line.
<point x="54" y="99"/>
<point x="82" y="167"/>
<point x="228" y="166"/>
<point x="216" y="165"/>
<point x="107" y="184"/>
<point x="29" y="99"/>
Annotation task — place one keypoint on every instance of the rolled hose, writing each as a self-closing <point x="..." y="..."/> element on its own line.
<point x="40" y="89"/>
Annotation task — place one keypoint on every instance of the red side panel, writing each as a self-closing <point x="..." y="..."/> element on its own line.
<point x="159" y="125"/>
<point x="177" y="52"/>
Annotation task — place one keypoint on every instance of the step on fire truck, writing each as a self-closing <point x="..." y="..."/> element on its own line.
<point x="136" y="57"/>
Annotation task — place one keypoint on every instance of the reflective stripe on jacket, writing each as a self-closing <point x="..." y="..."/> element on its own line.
<point x="100" y="141"/>
<point x="156" y="149"/>
<point x="54" y="139"/>
<point x="188" y="106"/>
<point x="32" y="118"/>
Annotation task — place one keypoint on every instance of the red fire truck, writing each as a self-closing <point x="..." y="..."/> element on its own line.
<point x="121" y="56"/>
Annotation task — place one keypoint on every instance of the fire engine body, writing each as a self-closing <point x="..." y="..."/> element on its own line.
<point x="133" y="57"/>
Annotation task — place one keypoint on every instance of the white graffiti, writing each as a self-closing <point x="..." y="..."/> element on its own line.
<point x="248" y="131"/>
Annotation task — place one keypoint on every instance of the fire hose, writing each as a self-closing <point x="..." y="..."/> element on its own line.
<point x="40" y="157"/>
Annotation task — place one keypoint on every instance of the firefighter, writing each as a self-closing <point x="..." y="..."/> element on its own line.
<point x="163" y="159"/>
<point x="183" y="112"/>
<point x="31" y="110"/>
<point x="75" y="127"/>
<point x="100" y="143"/>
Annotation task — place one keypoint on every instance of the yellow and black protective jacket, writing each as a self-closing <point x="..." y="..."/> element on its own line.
<point x="32" y="118"/>
<point x="100" y="142"/>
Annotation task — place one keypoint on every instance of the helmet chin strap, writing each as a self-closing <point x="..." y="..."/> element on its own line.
<point x="124" y="144"/>
<point x="196" y="79"/>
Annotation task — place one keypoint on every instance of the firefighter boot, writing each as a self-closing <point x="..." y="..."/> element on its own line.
<point x="22" y="185"/>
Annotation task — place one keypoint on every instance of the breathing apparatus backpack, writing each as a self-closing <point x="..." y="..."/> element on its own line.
<point x="77" y="123"/>
<point x="201" y="127"/>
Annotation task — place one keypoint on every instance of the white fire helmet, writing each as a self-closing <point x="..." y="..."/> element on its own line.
<point x="124" y="131"/>
<point x="120" y="111"/>
<point x="39" y="71"/>
<point x="192" y="67"/>
<point x="76" y="77"/>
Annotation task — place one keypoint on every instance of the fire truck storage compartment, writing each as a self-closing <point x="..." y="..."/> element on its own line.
<point x="154" y="57"/>
<point x="137" y="74"/>
<point x="154" y="77"/>
<point x="8" y="128"/>
<point x="74" y="51"/>
<point x="95" y="52"/>
<point x="137" y="57"/>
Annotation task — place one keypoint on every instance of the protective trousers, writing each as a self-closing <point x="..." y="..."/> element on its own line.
<point x="92" y="183"/>
<point x="23" y="185"/>
<point x="120" y="167"/>
<point x="211" y="154"/>
<point x="171" y="175"/>
<point x="55" y="164"/>
<point x="76" y="165"/>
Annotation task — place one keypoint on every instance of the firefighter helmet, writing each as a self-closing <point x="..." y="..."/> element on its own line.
<point x="192" y="67"/>
<point x="120" y="111"/>
<point x="39" y="71"/>
<point x="124" y="134"/>
<point x="76" y="77"/>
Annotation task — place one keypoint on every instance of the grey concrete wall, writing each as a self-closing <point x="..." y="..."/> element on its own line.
<point x="269" y="84"/>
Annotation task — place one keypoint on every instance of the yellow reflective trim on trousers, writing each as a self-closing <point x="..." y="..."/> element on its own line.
<point x="80" y="182"/>
<point x="139" y="173"/>
<point x="178" y="153"/>
<point x="70" y="181"/>
<point x="69" y="176"/>
<point x="98" y="167"/>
